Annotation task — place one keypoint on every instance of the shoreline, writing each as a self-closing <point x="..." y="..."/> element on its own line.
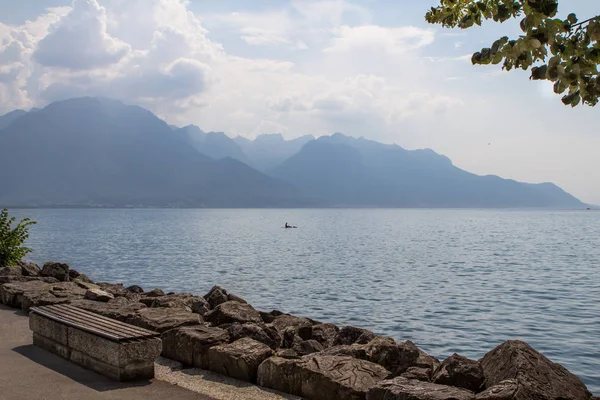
<point x="277" y="346"/>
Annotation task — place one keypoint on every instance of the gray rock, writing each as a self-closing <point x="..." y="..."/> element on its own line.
<point x="232" y="311"/>
<point x="286" y="322"/>
<point x="200" y="306"/>
<point x="73" y="275"/>
<point x="98" y="295"/>
<point x="537" y="377"/>
<point x="505" y="390"/>
<point x="405" y="389"/>
<point x="351" y="335"/>
<point x="287" y="353"/>
<point x="163" y="319"/>
<point x="189" y="345"/>
<point x="116" y="289"/>
<point x="182" y="300"/>
<point x="321" y="376"/>
<point x="258" y="332"/>
<point x="12" y="270"/>
<point x="239" y="360"/>
<point x="24" y="295"/>
<point x="217" y="295"/>
<point x="270" y="316"/>
<point x="305" y="347"/>
<point x="418" y="373"/>
<point x="325" y="334"/>
<point x="29" y="268"/>
<point x="461" y="372"/>
<point x="155" y="293"/>
<point x="56" y="270"/>
<point x="135" y="289"/>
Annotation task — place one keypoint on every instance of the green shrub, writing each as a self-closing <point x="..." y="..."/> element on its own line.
<point x="11" y="240"/>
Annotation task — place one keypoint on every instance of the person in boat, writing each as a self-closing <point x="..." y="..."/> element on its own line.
<point x="287" y="226"/>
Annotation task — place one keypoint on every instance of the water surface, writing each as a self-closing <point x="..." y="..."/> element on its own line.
<point x="449" y="280"/>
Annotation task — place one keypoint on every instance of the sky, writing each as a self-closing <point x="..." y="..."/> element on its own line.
<point x="371" y="68"/>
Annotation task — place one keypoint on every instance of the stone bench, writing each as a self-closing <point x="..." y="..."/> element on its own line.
<point x="117" y="350"/>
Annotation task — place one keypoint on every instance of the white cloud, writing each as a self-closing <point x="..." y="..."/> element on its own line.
<point x="79" y="40"/>
<point x="391" y="40"/>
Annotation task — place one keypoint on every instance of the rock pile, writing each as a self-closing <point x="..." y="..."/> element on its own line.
<point x="223" y="333"/>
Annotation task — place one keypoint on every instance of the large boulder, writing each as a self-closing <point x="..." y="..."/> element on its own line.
<point x="325" y="334"/>
<point x="321" y="376"/>
<point x="270" y="316"/>
<point x="200" y="306"/>
<point x="11" y="270"/>
<point x="258" y="332"/>
<point x="217" y="295"/>
<point x="189" y="345"/>
<point x="29" y="268"/>
<point x="19" y="278"/>
<point x="395" y="357"/>
<point x="135" y="289"/>
<point x="461" y="372"/>
<point x="420" y="374"/>
<point x="233" y="311"/>
<point x="239" y="360"/>
<point x="182" y="300"/>
<point x="164" y="319"/>
<point x="405" y="389"/>
<point x="155" y="293"/>
<point x="351" y="335"/>
<point x="98" y="295"/>
<point x="537" y="377"/>
<point x="116" y="289"/>
<point x="56" y="270"/>
<point x="286" y="322"/>
<point x="115" y="309"/>
<point x="34" y="293"/>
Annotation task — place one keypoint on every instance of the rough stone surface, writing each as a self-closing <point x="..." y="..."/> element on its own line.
<point x="405" y="389"/>
<point x="239" y="360"/>
<point x="270" y="316"/>
<point x="258" y="332"/>
<point x="56" y="270"/>
<point x="98" y="295"/>
<point x="321" y="376"/>
<point x="505" y="390"/>
<point x="420" y="374"/>
<point x="116" y="289"/>
<point x="114" y="309"/>
<point x="200" y="306"/>
<point x="155" y="293"/>
<point x="461" y="372"/>
<point x="537" y="377"/>
<point x="135" y="289"/>
<point x="325" y="334"/>
<point x="12" y="270"/>
<point x="29" y="268"/>
<point x="28" y="294"/>
<point x="189" y="345"/>
<point x="12" y="278"/>
<point x="73" y="275"/>
<point x="286" y="322"/>
<point x="351" y="335"/>
<point x="164" y="319"/>
<point x="233" y="311"/>
<point x="395" y="357"/>
<point x="182" y="300"/>
<point x="217" y="295"/>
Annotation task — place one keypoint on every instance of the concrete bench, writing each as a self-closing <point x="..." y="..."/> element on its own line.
<point x="117" y="350"/>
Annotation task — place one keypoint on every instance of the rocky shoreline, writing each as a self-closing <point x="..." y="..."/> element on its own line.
<point x="222" y="333"/>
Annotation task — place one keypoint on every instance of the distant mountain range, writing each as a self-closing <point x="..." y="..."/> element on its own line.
<point x="97" y="152"/>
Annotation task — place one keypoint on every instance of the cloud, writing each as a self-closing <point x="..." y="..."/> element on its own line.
<point x="79" y="40"/>
<point x="391" y="40"/>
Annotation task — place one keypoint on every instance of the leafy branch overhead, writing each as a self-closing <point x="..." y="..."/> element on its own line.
<point x="12" y="239"/>
<point x="566" y="52"/>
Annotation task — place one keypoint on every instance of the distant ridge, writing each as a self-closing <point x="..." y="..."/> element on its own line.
<point x="98" y="152"/>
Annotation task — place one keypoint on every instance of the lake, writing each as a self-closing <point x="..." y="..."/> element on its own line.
<point x="450" y="280"/>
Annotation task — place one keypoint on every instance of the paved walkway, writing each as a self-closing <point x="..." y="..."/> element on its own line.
<point x="30" y="373"/>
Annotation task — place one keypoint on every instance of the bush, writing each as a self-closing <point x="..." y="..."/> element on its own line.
<point x="11" y="240"/>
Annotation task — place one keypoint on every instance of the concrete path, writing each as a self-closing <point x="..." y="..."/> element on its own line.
<point x="30" y="373"/>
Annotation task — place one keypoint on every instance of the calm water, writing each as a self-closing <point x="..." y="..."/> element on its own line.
<point x="450" y="280"/>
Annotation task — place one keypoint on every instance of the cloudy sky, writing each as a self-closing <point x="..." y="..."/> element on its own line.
<point x="371" y="68"/>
